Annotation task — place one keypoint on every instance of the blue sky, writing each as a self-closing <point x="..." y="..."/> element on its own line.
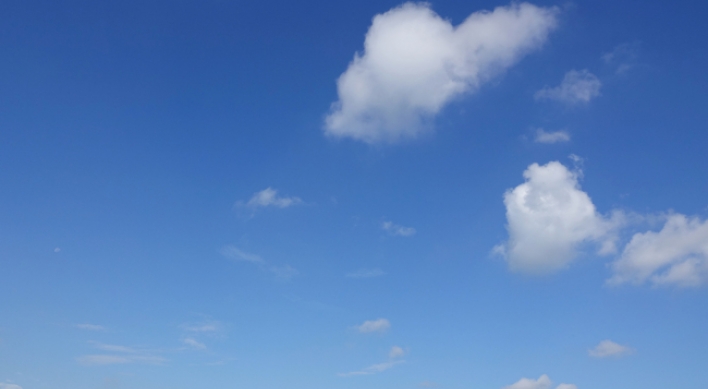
<point x="353" y="195"/>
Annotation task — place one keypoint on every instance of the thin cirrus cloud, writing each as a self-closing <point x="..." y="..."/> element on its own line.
<point x="90" y="327"/>
<point x="578" y="86"/>
<point x="543" y="382"/>
<point x="623" y="57"/>
<point x="371" y="326"/>
<point x="397" y="230"/>
<point x="608" y="348"/>
<point x="415" y="62"/>
<point x="549" y="217"/>
<point x="120" y="355"/>
<point x="373" y="369"/>
<point x="676" y="255"/>
<point x="9" y="386"/>
<point x="268" y="197"/>
<point x="543" y="136"/>
<point x="193" y="343"/>
<point x="366" y="273"/>
<point x="238" y="255"/>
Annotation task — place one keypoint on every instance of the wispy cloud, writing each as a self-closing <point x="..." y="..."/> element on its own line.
<point x="366" y="273"/>
<point x="268" y="197"/>
<point x="623" y="57"/>
<point x="193" y="343"/>
<point x="204" y="327"/>
<point x="90" y="327"/>
<point x="280" y="271"/>
<point x="9" y="386"/>
<point x="578" y="86"/>
<point x="608" y="348"/>
<point x="543" y="136"/>
<point x="397" y="230"/>
<point x="373" y="369"/>
<point x="370" y="326"/>
<point x="120" y="355"/>
<point x="396" y="352"/>
<point x="428" y="384"/>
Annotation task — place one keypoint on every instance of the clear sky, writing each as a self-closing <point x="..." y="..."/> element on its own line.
<point x="353" y="194"/>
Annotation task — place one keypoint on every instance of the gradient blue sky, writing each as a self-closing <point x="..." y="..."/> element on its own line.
<point x="177" y="212"/>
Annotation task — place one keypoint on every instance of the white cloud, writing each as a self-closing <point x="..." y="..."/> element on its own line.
<point x="9" y="386"/>
<point x="551" y="137"/>
<point x="397" y="230"/>
<point x="543" y="382"/>
<point x="378" y="325"/>
<point x="676" y="255"/>
<point x="211" y="327"/>
<point x="366" y="273"/>
<point x="373" y="369"/>
<point x="90" y="327"/>
<point x="623" y="56"/>
<point x="239" y="255"/>
<point x="548" y="218"/>
<point x="125" y="355"/>
<point x="608" y="348"/>
<point x="578" y="86"/>
<point x="396" y="352"/>
<point x="56" y="250"/>
<point x="268" y="197"/>
<point x="284" y="271"/>
<point x="415" y="62"/>
<point x="191" y="342"/>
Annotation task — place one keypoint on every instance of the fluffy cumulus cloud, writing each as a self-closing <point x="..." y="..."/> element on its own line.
<point x="578" y="86"/>
<point x="414" y="62"/>
<point x="378" y="325"/>
<point x="549" y="217"/>
<point x="675" y="255"/>
<point x="543" y="136"/>
<point x="543" y="382"/>
<point x="608" y="348"/>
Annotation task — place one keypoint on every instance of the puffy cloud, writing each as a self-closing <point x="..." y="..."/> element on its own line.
<point x="548" y="217"/>
<point x="578" y="86"/>
<point x="543" y="382"/>
<point x="551" y="137"/>
<point x="9" y="386"/>
<point x="268" y="197"/>
<point x="395" y="229"/>
<point x="608" y="348"/>
<point x="378" y="325"/>
<point x="366" y="273"/>
<point x="396" y="352"/>
<point x="414" y="62"/>
<point x="676" y="255"/>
